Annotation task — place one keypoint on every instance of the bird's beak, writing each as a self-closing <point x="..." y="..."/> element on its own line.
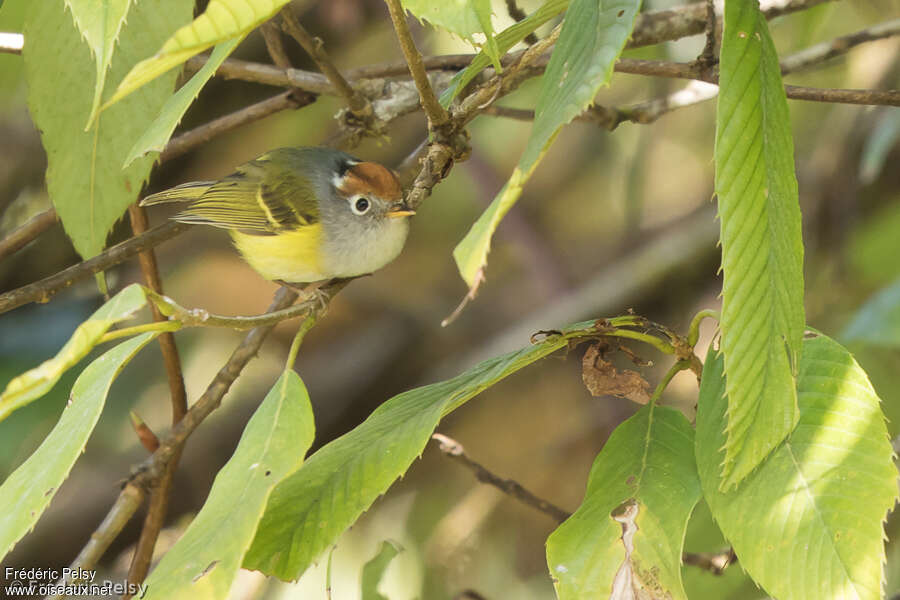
<point x="401" y="209"/>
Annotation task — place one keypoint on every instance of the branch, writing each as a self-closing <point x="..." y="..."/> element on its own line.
<point x="44" y="289"/>
<point x="714" y="562"/>
<point x="202" y="134"/>
<point x="437" y="116"/>
<point x="159" y="498"/>
<point x="838" y="46"/>
<point x="358" y="104"/>
<point x="517" y="14"/>
<point x="454" y="450"/>
<point x="21" y="236"/>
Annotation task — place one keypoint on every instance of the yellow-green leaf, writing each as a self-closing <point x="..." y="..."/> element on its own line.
<point x="33" y="384"/>
<point x="221" y="21"/>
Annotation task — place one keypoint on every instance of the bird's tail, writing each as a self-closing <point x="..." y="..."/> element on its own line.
<point x="180" y="193"/>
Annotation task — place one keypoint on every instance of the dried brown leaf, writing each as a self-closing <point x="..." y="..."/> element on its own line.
<point x="602" y="379"/>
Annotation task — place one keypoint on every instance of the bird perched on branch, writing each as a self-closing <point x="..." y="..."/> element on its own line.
<point x="302" y="214"/>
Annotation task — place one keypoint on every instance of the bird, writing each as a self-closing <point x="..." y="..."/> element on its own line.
<point x="302" y="214"/>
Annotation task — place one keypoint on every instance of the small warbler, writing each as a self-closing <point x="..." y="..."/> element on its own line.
<point x="302" y="214"/>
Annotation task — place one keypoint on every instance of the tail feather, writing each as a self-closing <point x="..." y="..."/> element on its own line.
<point x="180" y="193"/>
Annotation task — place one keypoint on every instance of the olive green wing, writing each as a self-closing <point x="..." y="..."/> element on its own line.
<point x="262" y="197"/>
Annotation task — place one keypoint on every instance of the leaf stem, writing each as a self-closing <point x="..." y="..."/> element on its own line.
<point x="304" y="328"/>
<point x="137" y="329"/>
<point x="694" y="329"/>
<point x="680" y="365"/>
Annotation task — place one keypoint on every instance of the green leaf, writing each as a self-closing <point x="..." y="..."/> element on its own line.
<point x="762" y="248"/>
<point x="220" y="22"/>
<point x="205" y="561"/>
<point x="100" y="27"/>
<point x="591" y="39"/>
<point x="628" y="533"/>
<point x="27" y="492"/>
<point x="878" y="320"/>
<point x="808" y="522"/>
<point x="313" y="506"/>
<point x="159" y="132"/>
<point x="373" y="571"/>
<point x="505" y="40"/>
<point x="33" y="384"/>
<point x="464" y="18"/>
<point x="86" y="182"/>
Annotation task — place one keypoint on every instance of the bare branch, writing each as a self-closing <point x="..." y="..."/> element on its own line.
<point x="358" y="104"/>
<point x="714" y="562"/>
<point x="159" y="497"/>
<point x="517" y="14"/>
<point x="44" y="289"/>
<point x="200" y="135"/>
<point x="454" y="449"/>
<point x="437" y="116"/>
<point x="21" y="236"/>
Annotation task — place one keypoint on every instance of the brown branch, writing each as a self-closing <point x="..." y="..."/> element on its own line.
<point x="159" y="497"/>
<point x="437" y="116"/>
<point x="202" y="134"/>
<point x="44" y="289"/>
<point x="275" y="45"/>
<point x="358" y="104"/>
<point x="714" y="562"/>
<point x="454" y="449"/>
<point x="840" y="45"/>
<point x="517" y="14"/>
<point x="21" y="236"/>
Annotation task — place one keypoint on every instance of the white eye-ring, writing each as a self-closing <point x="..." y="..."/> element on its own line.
<point x="360" y="205"/>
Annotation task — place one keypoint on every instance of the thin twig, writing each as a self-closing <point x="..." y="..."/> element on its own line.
<point x="44" y="289"/>
<point x="714" y="562"/>
<point x="358" y="104"/>
<point x="517" y="14"/>
<point x="159" y="497"/>
<point x="454" y="449"/>
<point x="21" y="236"/>
<point x="437" y="116"/>
<point x="202" y="134"/>
<point x="840" y="45"/>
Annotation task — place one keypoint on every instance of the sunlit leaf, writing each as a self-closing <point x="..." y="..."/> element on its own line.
<point x="87" y="185"/>
<point x="220" y="22"/>
<point x="159" y="132"/>
<point x="313" y="506"/>
<point x="33" y="384"/>
<point x="808" y="522"/>
<point x="591" y="39"/>
<point x="205" y="560"/>
<point x="30" y="488"/>
<point x="465" y="18"/>
<point x="99" y="24"/>
<point x="762" y="250"/>
<point x="628" y="533"/>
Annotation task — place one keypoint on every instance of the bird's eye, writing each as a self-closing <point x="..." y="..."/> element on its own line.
<point x="361" y="206"/>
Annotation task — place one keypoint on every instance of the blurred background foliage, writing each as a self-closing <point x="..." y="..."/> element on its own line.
<point x="595" y="203"/>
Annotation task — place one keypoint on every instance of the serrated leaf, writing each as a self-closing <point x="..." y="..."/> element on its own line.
<point x="205" y="560"/>
<point x="99" y="25"/>
<point x="629" y="531"/>
<point x="762" y="248"/>
<point x="464" y="18"/>
<point x="877" y="322"/>
<point x="373" y="570"/>
<point x="156" y="136"/>
<point x="87" y="185"/>
<point x="27" y="492"/>
<point x="505" y="40"/>
<point x="591" y="39"/>
<point x="808" y="522"/>
<point x="313" y="506"/>
<point x="220" y="22"/>
<point x="33" y="384"/>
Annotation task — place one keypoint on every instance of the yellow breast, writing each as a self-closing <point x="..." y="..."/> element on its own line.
<point x="293" y="256"/>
